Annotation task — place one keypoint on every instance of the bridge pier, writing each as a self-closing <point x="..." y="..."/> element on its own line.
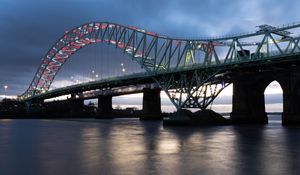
<point x="291" y="98"/>
<point x="105" y="106"/>
<point x="248" y="103"/>
<point x="151" y="104"/>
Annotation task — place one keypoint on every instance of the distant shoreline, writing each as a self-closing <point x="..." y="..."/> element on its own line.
<point x="83" y="116"/>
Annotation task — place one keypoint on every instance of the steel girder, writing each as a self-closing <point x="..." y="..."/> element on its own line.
<point x="194" y="89"/>
<point x="159" y="54"/>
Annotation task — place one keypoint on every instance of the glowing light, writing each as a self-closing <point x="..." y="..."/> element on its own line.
<point x="59" y="98"/>
<point x="167" y="146"/>
<point x="122" y="64"/>
<point x="5" y="89"/>
<point x="97" y="75"/>
<point x="123" y="69"/>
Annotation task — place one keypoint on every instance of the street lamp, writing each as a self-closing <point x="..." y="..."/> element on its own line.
<point x="122" y="67"/>
<point x="5" y="90"/>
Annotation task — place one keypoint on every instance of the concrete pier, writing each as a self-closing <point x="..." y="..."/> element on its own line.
<point x="151" y="104"/>
<point x="105" y="106"/>
<point x="248" y="103"/>
<point x="291" y="98"/>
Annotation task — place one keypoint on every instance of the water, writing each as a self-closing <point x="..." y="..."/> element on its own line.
<point x="129" y="146"/>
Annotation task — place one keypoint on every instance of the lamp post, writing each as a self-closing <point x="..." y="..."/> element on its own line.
<point x="5" y="90"/>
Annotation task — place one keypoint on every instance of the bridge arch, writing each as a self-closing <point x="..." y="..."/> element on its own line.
<point x="146" y="48"/>
<point x="72" y="41"/>
<point x="95" y="62"/>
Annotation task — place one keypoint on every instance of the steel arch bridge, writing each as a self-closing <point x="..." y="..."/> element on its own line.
<point x="187" y="68"/>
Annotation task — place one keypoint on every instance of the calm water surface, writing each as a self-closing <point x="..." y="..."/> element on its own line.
<point x="129" y="146"/>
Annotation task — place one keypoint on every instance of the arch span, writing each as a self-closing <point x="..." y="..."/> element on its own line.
<point x="152" y="51"/>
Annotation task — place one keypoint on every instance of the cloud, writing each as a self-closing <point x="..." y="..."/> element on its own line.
<point x="29" y="28"/>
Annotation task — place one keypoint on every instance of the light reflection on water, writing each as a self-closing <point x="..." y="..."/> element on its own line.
<point x="129" y="146"/>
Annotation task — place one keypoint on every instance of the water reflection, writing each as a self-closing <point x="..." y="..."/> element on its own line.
<point x="168" y="146"/>
<point x="90" y="148"/>
<point x="248" y="149"/>
<point x="291" y="150"/>
<point x="128" y="146"/>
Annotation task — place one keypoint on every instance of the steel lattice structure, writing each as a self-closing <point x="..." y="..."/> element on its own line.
<point x="188" y="67"/>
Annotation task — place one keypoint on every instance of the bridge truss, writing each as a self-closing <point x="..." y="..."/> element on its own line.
<point x="190" y="71"/>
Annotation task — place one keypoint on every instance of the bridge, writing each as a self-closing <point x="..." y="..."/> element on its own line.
<point x="192" y="72"/>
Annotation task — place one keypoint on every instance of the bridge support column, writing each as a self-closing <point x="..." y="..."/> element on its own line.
<point x="105" y="106"/>
<point x="248" y="104"/>
<point x="291" y="98"/>
<point x="151" y="104"/>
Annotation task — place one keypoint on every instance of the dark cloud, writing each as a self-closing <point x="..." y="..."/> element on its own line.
<point x="29" y="28"/>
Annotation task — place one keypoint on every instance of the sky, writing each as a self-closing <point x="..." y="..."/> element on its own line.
<point x="29" y="28"/>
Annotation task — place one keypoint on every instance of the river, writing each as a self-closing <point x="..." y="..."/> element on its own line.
<point x="130" y="146"/>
